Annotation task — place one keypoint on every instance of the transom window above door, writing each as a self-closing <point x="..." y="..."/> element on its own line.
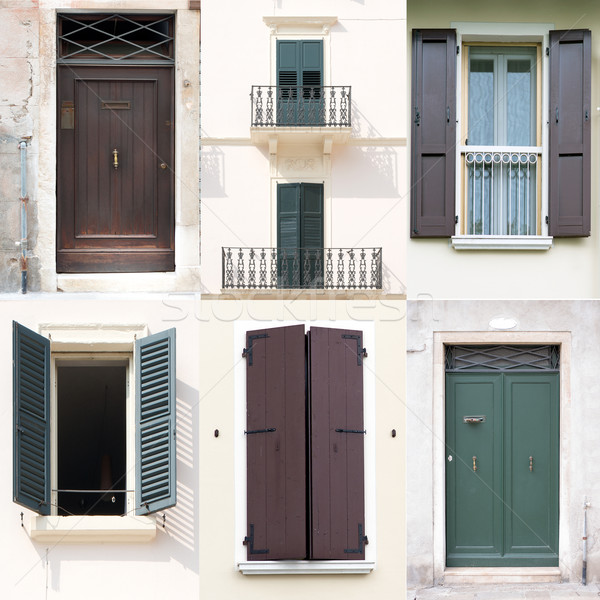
<point x="502" y="149"/>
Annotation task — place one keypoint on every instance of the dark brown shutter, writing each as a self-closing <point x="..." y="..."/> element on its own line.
<point x="276" y="447"/>
<point x="570" y="133"/>
<point x="336" y="457"/>
<point x="433" y="115"/>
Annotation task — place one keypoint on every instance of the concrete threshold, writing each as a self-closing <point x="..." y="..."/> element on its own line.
<point x="485" y="575"/>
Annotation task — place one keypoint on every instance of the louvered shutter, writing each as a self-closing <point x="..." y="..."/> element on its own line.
<point x="31" y="415"/>
<point x="288" y="234"/>
<point x="275" y="438"/>
<point x="288" y="81"/>
<point x="156" y="483"/>
<point x="433" y="115"/>
<point x="311" y="234"/>
<point x="570" y="133"/>
<point x="337" y="457"/>
<point x="311" y="79"/>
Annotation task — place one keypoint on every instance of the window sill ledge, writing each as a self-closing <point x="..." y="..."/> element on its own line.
<point x="501" y="242"/>
<point x="306" y="567"/>
<point x="78" y="529"/>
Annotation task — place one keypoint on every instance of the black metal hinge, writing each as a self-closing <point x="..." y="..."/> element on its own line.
<point x="363" y="431"/>
<point x="360" y="352"/>
<point x="455" y="219"/>
<point x="247" y="352"/>
<point x="547" y="220"/>
<point x="547" y="51"/>
<point x="457" y="49"/>
<point x="249" y="541"/>
<point x="362" y="540"/>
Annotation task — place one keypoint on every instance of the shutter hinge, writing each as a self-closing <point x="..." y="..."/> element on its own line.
<point x="247" y="352"/>
<point x="455" y="219"/>
<point x="363" y="431"/>
<point x="417" y="116"/>
<point x="457" y="49"/>
<point x="249" y="541"/>
<point x="360" y="352"/>
<point x="362" y="540"/>
<point x="268" y="430"/>
<point x="547" y="220"/>
<point x="547" y="51"/>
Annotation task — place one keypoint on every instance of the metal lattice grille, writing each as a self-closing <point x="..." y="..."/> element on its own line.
<point x="124" y="38"/>
<point x="502" y="358"/>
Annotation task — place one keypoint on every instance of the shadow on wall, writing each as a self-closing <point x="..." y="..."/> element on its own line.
<point x="176" y="541"/>
<point x="374" y="169"/>
<point x="213" y="172"/>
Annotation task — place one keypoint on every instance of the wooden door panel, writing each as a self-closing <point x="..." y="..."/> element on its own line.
<point x="116" y="219"/>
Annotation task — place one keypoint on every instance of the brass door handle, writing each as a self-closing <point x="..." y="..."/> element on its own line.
<point x="115" y="158"/>
<point x="474" y="463"/>
<point x="531" y="463"/>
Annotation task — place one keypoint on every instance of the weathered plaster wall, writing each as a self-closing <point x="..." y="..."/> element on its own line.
<point x="575" y="324"/>
<point x="19" y="103"/>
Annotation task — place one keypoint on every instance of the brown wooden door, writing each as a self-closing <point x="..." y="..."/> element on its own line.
<point x="115" y="208"/>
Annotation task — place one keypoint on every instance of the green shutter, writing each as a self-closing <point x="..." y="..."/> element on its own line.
<point x="156" y="484"/>
<point x="311" y="207"/>
<point x="288" y="234"/>
<point x="31" y="414"/>
<point x="299" y="64"/>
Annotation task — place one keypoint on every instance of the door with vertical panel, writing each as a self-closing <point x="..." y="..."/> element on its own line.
<point x="115" y="207"/>
<point x="502" y="435"/>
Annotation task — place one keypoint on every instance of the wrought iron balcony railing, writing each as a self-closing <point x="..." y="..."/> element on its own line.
<point x="301" y="106"/>
<point x="302" y="268"/>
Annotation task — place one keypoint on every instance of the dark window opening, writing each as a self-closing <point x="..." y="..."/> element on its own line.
<point x="91" y="411"/>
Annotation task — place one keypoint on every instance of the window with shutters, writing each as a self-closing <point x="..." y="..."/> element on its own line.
<point x="305" y="449"/>
<point x="488" y="168"/>
<point x="76" y="451"/>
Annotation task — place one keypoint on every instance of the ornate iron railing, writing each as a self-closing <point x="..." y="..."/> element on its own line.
<point x="301" y="106"/>
<point x="302" y="268"/>
<point x="502" y="191"/>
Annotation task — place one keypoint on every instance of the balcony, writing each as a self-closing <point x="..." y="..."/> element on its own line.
<point x="301" y="114"/>
<point x="302" y="268"/>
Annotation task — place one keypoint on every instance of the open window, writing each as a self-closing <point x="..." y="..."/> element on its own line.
<point x="71" y="452"/>
<point x="488" y="168"/>
<point x="305" y="445"/>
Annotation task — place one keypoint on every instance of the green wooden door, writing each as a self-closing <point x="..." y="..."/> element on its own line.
<point x="502" y="469"/>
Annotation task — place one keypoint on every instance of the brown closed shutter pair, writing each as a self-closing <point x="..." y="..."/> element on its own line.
<point x="433" y="114"/>
<point x="305" y="439"/>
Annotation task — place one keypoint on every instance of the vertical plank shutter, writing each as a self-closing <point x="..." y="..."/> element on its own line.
<point x="276" y="446"/>
<point x="31" y="414"/>
<point x="433" y="115"/>
<point x="337" y="444"/>
<point x="156" y="483"/>
<point x="570" y="133"/>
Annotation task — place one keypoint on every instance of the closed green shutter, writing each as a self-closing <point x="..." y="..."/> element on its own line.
<point x="300" y="226"/>
<point x="299" y="82"/>
<point x="31" y="414"/>
<point x="156" y="484"/>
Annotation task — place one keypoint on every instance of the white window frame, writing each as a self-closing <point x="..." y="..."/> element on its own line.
<point x="75" y="345"/>
<point x="493" y="33"/>
<point x="302" y="567"/>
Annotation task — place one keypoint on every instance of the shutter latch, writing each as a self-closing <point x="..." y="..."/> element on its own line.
<point x="268" y="430"/>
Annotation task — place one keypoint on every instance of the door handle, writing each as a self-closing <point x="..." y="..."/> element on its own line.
<point x="115" y="158"/>
<point x="474" y="463"/>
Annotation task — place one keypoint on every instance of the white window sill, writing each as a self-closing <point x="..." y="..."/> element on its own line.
<point x="306" y="567"/>
<point x="78" y="529"/>
<point x="501" y="242"/>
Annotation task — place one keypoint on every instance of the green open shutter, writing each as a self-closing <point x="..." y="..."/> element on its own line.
<point x="288" y="234"/>
<point x="156" y="483"/>
<point x="311" y="234"/>
<point x="31" y="414"/>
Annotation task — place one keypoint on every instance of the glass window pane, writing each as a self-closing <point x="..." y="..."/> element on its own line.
<point x="519" y="105"/>
<point x="481" y="101"/>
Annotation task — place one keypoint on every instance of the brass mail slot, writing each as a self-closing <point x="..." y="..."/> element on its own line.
<point x="116" y="105"/>
<point x="477" y="419"/>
